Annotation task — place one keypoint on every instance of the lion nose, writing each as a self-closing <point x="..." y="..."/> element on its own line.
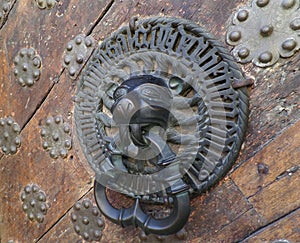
<point x="123" y="111"/>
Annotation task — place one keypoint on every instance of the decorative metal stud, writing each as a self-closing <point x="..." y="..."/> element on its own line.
<point x="42" y="4"/>
<point x="264" y="31"/>
<point x="4" y="9"/>
<point x="27" y="67"/>
<point x="77" y="51"/>
<point x="34" y="203"/>
<point x="87" y="221"/>
<point x="10" y="140"/>
<point x="56" y="136"/>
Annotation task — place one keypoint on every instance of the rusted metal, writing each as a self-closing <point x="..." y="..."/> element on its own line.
<point x="242" y="83"/>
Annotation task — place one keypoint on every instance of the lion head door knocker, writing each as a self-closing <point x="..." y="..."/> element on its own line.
<point x="161" y="112"/>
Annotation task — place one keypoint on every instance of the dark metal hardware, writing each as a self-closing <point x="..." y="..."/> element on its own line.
<point x="137" y="217"/>
<point x="160" y="112"/>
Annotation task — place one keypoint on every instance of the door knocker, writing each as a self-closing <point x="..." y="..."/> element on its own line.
<point x="161" y="111"/>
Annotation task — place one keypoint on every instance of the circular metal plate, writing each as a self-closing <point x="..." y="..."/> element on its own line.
<point x="208" y="116"/>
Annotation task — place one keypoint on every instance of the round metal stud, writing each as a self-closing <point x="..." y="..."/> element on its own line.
<point x="289" y="44"/>
<point x="266" y="30"/>
<point x="286" y="4"/>
<point x="265" y="57"/>
<point x="257" y="27"/>
<point x="242" y="15"/>
<point x="262" y="3"/>
<point x="56" y="137"/>
<point x="86" y="221"/>
<point x="295" y="24"/>
<point x="46" y="4"/>
<point x="10" y="139"/>
<point x="77" y="51"/>
<point x="27" y="67"/>
<point x="33" y="206"/>
<point x="235" y="36"/>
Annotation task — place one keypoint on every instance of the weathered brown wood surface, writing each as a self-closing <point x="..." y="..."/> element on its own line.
<point x="249" y="205"/>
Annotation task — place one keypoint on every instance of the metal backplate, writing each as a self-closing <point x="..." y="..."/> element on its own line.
<point x="264" y="31"/>
<point x="207" y="120"/>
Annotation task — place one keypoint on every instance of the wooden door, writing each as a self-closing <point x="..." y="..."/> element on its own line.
<point x="258" y="201"/>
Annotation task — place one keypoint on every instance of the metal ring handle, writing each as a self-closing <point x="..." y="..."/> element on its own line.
<point x="137" y="217"/>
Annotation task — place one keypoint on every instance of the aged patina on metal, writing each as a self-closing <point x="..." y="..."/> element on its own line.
<point x="10" y="139"/>
<point x="158" y="118"/>
<point x="264" y="31"/>
<point x="56" y="135"/>
<point x="34" y="203"/>
<point x="87" y="220"/>
<point x="77" y="51"/>
<point x="27" y="67"/>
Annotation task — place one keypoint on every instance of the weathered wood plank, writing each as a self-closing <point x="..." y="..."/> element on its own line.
<point x="287" y="229"/>
<point x="279" y="198"/>
<point x="47" y="31"/>
<point x="63" y="180"/>
<point x="279" y="157"/>
<point x="274" y="103"/>
<point x="211" y="15"/>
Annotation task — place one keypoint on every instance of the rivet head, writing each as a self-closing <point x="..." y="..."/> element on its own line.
<point x="85" y="220"/>
<point x="266" y="30"/>
<point x="43" y="4"/>
<point x="242" y="15"/>
<point x="78" y="40"/>
<point x="295" y="24"/>
<point x="235" y="36"/>
<point x="262" y="3"/>
<point x="265" y="57"/>
<point x="289" y="45"/>
<point x="286" y="4"/>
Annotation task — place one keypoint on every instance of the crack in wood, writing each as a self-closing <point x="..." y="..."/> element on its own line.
<point x="65" y="214"/>
<point x="270" y="224"/>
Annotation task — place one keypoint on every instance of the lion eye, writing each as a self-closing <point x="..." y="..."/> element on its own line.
<point x="120" y="92"/>
<point x="150" y="93"/>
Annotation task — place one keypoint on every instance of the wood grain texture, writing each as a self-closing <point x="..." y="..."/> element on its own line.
<point x="288" y="228"/>
<point x="274" y="103"/>
<point x="63" y="180"/>
<point x="47" y="31"/>
<point x="237" y="207"/>
<point x="280" y="156"/>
